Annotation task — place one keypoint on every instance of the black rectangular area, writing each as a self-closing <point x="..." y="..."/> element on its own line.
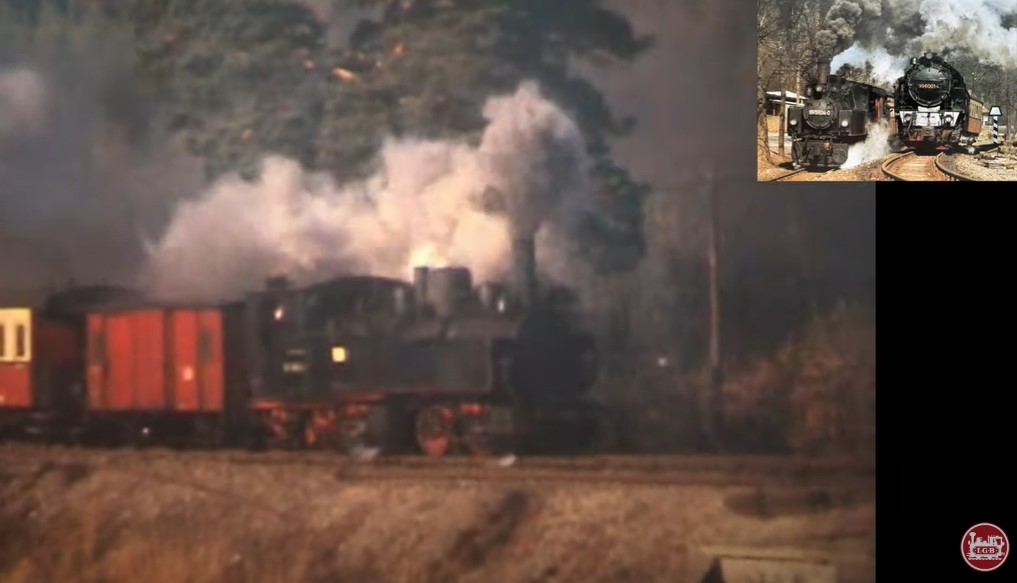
<point x="945" y="368"/>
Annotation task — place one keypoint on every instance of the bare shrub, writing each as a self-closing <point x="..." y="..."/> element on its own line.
<point x="814" y="396"/>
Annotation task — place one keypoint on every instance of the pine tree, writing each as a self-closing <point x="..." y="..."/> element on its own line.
<point x="233" y="76"/>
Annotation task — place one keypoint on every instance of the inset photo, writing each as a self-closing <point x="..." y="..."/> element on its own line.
<point x="866" y="90"/>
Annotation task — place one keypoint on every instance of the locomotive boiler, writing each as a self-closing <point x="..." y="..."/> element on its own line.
<point x="934" y="106"/>
<point x="837" y="113"/>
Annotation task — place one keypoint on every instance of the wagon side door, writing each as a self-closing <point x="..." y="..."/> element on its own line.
<point x="211" y="370"/>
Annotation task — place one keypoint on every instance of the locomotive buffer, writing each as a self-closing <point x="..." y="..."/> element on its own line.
<point x="995" y="113"/>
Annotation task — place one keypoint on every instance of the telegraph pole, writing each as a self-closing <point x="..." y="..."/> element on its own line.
<point x="789" y="48"/>
<point x="783" y="113"/>
<point x="715" y="402"/>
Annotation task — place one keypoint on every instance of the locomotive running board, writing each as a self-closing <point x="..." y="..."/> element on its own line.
<point x="767" y="565"/>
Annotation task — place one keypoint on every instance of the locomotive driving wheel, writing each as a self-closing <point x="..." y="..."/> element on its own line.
<point x="434" y="430"/>
<point x="476" y="436"/>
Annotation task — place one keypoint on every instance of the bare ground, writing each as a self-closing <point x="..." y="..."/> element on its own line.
<point x="186" y="517"/>
<point x="775" y="167"/>
<point x="780" y="165"/>
<point x="997" y="165"/>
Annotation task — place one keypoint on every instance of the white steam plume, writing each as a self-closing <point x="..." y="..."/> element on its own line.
<point x="886" y="68"/>
<point x="430" y="203"/>
<point x="974" y="26"/>
<point x="875" y="146"/>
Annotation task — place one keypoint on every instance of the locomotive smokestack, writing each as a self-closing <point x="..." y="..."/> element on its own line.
<point x="822" y="71"/>
<point x="524" y="270"/>
<point x="420" y="277"/>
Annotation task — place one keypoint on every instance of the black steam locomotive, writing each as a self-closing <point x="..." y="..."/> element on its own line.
<point x="935" y="107"/>
<point x="837" y="113"/>
<point x="435" y="365"/>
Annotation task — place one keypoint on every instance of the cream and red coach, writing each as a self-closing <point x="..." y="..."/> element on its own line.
<point x="39" y="368"/>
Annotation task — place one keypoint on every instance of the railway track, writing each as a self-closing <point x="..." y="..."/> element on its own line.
<point x="910" y="166"/>
<point x="787" y="175"/>
<point x="655" y="469"/>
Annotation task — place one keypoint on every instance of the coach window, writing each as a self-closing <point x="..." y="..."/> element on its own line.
<point x="20" y="348"/>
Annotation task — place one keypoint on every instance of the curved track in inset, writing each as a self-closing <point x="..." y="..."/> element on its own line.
<point x="910" y="167"/>
<point x="787" y="176"/>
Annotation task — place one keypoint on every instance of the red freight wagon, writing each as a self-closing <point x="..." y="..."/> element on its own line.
<point x="39" y="360"/>
<point x="151" y="366"/>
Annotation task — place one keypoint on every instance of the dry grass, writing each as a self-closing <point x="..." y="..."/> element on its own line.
<point x="147" y="524"/>
<point x="91" y="548"/>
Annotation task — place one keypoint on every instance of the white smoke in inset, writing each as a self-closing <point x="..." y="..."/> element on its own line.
<point x="429" y="203"/>
<point x="875" y="146"/>
<point x="886" y="68"/>
<point x="877" y="31"/>
<point x="974" y="26"/>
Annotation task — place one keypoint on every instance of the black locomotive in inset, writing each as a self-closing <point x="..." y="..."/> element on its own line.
<point x="837" y="113"/>
<point x="935" y="108"/>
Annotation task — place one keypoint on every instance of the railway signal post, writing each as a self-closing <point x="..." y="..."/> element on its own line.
<point x="994" y="113"/>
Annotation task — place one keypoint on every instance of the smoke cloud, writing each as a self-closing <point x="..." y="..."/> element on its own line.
<point x="84" y="174"/>
<point x="848" y="20"/>
<point x="886" y="68"/>
<point x="875" y="146"/>
<point x="429" y="203"/>
<point x="876" y="31"/>
<point x="22" y="101"/>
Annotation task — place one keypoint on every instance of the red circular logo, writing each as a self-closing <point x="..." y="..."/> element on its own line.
<point x="985" y="547"/>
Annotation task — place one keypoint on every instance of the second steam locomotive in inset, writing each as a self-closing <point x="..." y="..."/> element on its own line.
<point x="935" y="108"/>
<point x="837" y="113"/>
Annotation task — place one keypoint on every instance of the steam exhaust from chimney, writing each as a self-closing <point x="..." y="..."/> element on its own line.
<point x="524" y="270"/>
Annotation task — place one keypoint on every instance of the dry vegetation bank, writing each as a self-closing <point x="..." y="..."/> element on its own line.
<point x="181" y="520"/>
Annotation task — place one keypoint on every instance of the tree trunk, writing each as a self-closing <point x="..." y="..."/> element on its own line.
<point x="783" y="115"/>
<point x="764" y="132"/>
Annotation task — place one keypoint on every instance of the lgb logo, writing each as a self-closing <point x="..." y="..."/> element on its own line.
<point x="985" y="547"/>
